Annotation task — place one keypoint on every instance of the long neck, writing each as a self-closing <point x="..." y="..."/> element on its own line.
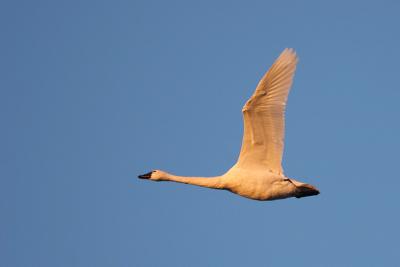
<point x="210" y="182"/>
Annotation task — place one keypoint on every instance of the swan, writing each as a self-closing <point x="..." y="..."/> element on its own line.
<point x="258" y="173"/>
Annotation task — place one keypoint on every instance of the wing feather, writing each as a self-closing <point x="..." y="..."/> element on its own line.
<point x="264" y="116"/>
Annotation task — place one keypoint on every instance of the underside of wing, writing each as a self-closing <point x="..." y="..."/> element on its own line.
<point x="264" y="116"/>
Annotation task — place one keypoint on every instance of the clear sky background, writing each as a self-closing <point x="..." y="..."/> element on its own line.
<point x="93" y="93"/>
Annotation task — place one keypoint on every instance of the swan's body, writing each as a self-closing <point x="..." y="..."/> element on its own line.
<point x="258" y="173"/>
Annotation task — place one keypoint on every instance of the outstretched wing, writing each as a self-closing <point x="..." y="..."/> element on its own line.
<point x="264" y="116"/>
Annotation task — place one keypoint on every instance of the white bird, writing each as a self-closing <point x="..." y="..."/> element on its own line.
<point x="258" y="172"/>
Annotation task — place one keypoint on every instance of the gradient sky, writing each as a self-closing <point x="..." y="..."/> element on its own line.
<point x="93" y="93"/>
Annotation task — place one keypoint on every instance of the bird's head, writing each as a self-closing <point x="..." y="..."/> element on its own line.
<point x="155" y="175"/>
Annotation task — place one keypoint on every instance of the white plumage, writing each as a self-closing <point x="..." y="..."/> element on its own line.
<point x="258" y="173"/>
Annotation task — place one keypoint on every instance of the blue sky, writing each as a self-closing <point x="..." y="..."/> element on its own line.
<point x="93" y="93"/>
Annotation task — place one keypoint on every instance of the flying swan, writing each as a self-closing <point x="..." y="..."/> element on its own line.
<point x="258" y="172"/>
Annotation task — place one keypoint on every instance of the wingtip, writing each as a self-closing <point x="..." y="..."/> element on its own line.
<point x="289" y="50"/>
<point x="290" y="55"/>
